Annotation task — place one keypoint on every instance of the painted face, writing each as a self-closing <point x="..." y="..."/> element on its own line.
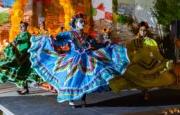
<point x="79" y="24"/>
<point x="23" y="28"/>
<point x="142" y="31"/>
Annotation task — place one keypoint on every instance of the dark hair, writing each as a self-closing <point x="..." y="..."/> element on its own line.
<point x="145" y="24"/>
<point x="25" y="23"/>
<point x="74" y="19"/>
<point x="62" y="28"/>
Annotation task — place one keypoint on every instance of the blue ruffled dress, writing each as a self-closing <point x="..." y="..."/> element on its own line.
<point x="81" y="69"/>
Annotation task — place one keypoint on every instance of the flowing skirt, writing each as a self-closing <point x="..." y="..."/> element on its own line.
<point x="16" y="67"/>
<point x="76" y="72"/>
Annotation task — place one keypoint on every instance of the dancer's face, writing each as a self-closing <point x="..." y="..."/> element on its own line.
<point x="23" y="27"/>
<point x="41" y="25"/>
<point x="79" y="24"/>
<point x="142" y="31"/>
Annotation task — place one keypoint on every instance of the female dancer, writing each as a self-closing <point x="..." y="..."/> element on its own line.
<point x="148" y="68"/>
<point x="75" y="64"/>
<point x="15" y="65"/>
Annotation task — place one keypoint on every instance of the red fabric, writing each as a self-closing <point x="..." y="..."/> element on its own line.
<point x="108" y="16"/>
<point x="93" y="34"/>
<point x="101" y="7"/>
<point x="80" y="39"/>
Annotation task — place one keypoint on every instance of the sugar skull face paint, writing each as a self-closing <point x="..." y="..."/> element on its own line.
<point x="79" y="23"/>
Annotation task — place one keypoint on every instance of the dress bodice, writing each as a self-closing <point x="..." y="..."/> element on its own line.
<point x="74" y="41"/>
<point x="22" y="42"/>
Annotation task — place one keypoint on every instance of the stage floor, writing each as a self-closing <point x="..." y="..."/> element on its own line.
<point x="128" y="102"/>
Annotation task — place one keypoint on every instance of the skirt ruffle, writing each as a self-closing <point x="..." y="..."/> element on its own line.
<point x="76" y="72"/>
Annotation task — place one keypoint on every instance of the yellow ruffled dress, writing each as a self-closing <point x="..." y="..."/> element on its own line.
<point x="147" y="69"/>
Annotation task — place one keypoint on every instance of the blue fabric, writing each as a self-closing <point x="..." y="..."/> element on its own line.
<point x="78" y="71"/>
<point x="8" y="3"/>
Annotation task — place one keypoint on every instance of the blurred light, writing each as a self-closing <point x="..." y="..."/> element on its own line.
<point x="138" y="7"/>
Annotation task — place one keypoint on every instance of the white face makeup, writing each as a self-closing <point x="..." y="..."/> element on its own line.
<point x="79" y="24"/>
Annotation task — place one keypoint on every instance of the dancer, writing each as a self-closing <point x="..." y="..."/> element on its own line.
<point x="44" y="32"/>
<point x="84" y="67"/>
<point x="42" y="28"/>
<point x="15" y="65"/>
<point x="148" y="68"/>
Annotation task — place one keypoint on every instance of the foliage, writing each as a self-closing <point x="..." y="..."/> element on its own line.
<point x="167" y="11"/>
<point x="122" y="19"/>
<point x="4" y="18"/>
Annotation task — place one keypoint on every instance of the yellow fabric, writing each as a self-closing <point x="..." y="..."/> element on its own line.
<point x="117" y="84"/>
<point x="147" y="69"/>
<point x="43" y="32"/>
<point x="149" y="42"/>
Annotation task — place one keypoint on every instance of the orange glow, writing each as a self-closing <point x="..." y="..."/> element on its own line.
<point x="33" y="30"/>
<point x="53" y="19"/>
<point x="68" y="12"/>
<point x="16" y="17"/>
